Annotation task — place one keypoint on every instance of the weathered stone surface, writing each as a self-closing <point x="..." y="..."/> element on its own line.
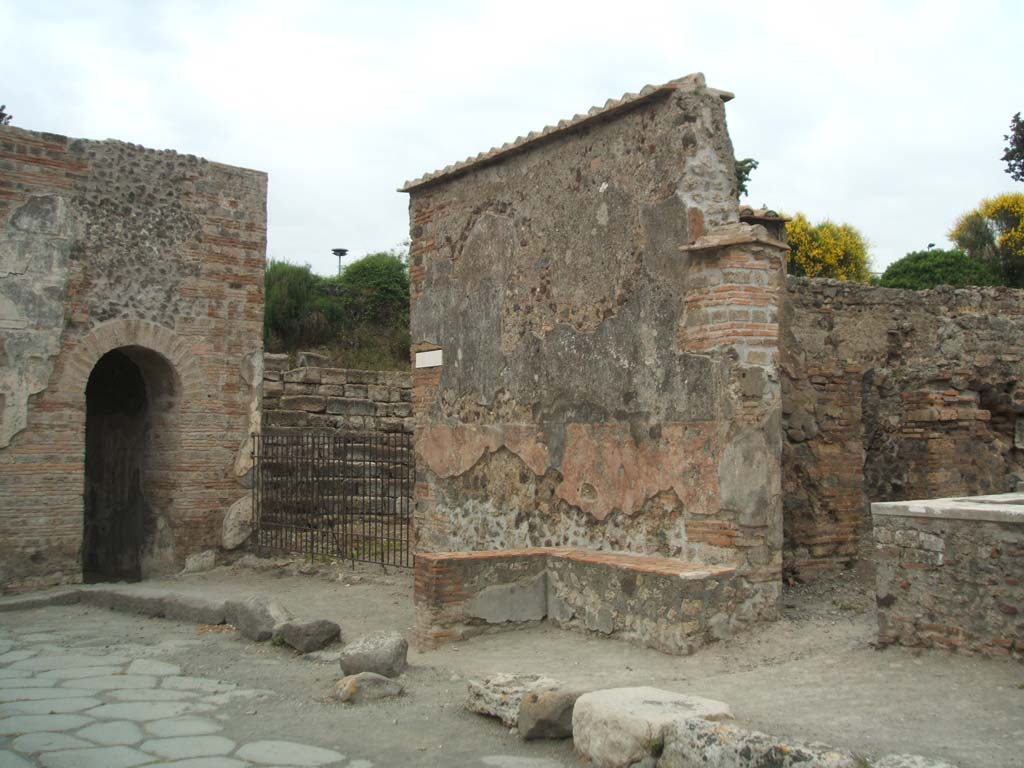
<point x="699" y="742"/>
<point x="256" y="617"/>
<point x="910" y="761"/>
<point x="117" y="733"/>
<point x="95" y="757"/>
<point x="524" y="600"/>
<point x="288" y="753"/>
<point x="201" y="561"/>
<point x="238" y="523"/>
<point x="500" y="695"/>
<point x="366" y="686"/>
<point x="617" y="727"/>
<point x="545" y="712"/>
<point x="183" y="747"/>
<point x="307" y="635"/>
<point x="949" y="573"/>
<point x="195" y="610"/>
<point x="380" y="652"/>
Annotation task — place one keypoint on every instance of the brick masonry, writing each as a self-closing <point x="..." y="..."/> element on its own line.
<point x="103" y="246"/>
<point x="335" y="398"/>
<point x="891" y="394"/>
<point x="610" y="332"/>
<point x="658" y="602"/>
<point x="950" y="574"/>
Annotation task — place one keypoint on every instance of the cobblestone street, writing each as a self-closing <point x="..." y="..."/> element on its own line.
<point x="89" y="688"/>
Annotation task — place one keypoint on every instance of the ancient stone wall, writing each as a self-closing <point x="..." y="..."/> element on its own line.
<point x="109" y="246"/>
<point x="950" y="573"/>
<point x="890" y="394"/>
<point x="335" y="398"/>
<point x="608" y="334"/>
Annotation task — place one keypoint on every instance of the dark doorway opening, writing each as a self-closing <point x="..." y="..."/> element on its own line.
<point x="117" y="428"/>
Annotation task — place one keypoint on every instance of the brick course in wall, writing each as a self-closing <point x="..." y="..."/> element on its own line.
<point x="892" y="394"/>
<point x="103" y="246"/>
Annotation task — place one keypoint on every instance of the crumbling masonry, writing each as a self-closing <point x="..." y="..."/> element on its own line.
<point x="609" y="359"/>
<point x="131" y="309"/>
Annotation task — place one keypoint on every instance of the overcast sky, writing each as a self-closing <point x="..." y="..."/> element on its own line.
<point x="889" y="116"/>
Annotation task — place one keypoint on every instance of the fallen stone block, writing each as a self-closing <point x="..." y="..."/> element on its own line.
<point x="910" y="761"/>
<point x="546" y="712"/>
<point x="256" y="617"/>
<point x="194" y="610"/>
<point x="701" y="742"/>
<point x="201" y="561"/>
<point x="366" y="686"/>
<point x="501" y="695"/>
<point x="617" y="727"/>
<point x="381" y="652"/>
<point x="308" y="635"/>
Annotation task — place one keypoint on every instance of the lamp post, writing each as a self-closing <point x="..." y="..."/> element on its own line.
<point x="339" y="252"/>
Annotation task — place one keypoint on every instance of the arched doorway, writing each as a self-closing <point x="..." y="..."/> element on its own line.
<point x="128" y="396"/>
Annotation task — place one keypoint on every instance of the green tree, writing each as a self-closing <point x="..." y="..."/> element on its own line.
<point x="1014" y="155"/>
<point x="5" y="117"/>
<point x="374" y="289"/>
<point x="827" y="249"/>
<point x="993" y="234"/>
<point x="291" y="317"/>
<point x="744" y="168"/>
<point x="920" y="270"/>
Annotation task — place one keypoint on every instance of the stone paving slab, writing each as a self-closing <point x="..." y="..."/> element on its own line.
<point x="288" y="753"/>
<point x="183" y="726"/>
<point x="116" y="733"/>
<point x="96" y="757"/>
<point x="181" y="747"/>
<point x="48" y="706"/>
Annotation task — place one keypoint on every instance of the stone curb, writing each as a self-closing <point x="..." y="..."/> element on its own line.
<point x="157" y="604"/>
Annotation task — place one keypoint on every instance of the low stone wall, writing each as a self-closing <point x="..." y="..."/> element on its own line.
<point x="335" y="398"/>
<point x="951" y="573"/>
<point x="672" y="606"/>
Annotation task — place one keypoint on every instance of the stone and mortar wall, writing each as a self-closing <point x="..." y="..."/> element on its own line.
<point x="950" y="574"/>
<point x="335" y="398"/>
<point x="107" y="245"/>
<point x="660" y="603"/>
<point x="600" y="387"/>
<point x="890" y="394"/>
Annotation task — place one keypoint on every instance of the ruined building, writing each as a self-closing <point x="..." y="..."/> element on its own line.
<point x="610" y="358"/>
<point x="596" y="340"/>
<point x="131" y="309"/>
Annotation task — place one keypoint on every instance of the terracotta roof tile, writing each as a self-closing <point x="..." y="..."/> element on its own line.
<point x="690" y="82"/>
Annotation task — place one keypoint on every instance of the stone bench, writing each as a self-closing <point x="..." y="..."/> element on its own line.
<point x="658" y="602"/>
<point x="950" y="573"/>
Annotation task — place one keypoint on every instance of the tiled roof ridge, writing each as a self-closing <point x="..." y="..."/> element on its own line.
<point x="693" y="82"/>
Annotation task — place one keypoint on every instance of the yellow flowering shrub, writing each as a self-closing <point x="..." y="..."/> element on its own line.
<point x="827" y="249"/>
<point x="994" y="233"/>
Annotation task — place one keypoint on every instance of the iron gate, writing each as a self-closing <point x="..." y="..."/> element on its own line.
<point x="334" y="495"/>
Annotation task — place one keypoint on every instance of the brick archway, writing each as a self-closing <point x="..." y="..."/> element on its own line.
<point x="130" y="333"/>
<point x="175" y="394"/>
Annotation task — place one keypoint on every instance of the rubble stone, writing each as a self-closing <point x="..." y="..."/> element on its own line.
<point x="500" y="695"/>
<point x="308" y="635"/>
<point x="616" y="727"/>
<point x="366" y="686"/>
<point x="256" y="617"/>
<point x="381" y="652"/>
